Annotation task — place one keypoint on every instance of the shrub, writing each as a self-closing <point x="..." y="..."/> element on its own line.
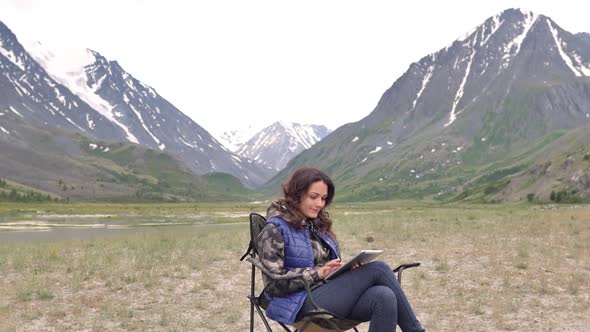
<point x="530" y="197"/>
<point x="564" y="196"/>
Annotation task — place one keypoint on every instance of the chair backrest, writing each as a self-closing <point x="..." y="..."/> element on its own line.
<point x="257" y="222"/>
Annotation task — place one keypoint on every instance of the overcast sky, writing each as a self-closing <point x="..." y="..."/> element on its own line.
<point x="227" y="64"/>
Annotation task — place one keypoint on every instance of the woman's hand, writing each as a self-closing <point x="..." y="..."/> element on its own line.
<point x="330" y="267"/>
<point x="359" y="264"/>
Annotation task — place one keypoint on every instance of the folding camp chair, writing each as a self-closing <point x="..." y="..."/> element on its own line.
<point x="318" y="320"/>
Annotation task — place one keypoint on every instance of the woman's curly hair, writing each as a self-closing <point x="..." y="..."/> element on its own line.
<point x="294" y="190"/>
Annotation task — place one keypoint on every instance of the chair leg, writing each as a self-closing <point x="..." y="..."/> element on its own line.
<point x="261" y="314"/>
<point x="286" y="328"/>
<point x="302" y="329"/>
<point x="251" y="316"/>
<point x="252" y="288"/>
<point x="334" y="326"/>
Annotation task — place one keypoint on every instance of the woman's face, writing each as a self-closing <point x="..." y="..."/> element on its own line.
<point x="314" y="200"/>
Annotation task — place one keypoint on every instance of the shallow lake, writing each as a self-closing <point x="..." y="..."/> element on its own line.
<point x="66" y="232"/>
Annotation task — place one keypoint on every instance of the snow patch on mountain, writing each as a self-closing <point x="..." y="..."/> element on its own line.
<point x="15" y="111"/>
<point x="495" y="25"/>
<point x="305" y="134"/>
<point x="12" y="57"/>
<point x="459" y="95"/>
<point x="526" y="25"/>
<point x="67" y="66"/>
<point x="424" y="83"/>
<point x="234" y="138"/>
<point x="377" y="149"/>
<point x="568" y="61"/>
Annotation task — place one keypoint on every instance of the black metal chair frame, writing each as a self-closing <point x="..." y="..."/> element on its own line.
<point x="319" y="314"/>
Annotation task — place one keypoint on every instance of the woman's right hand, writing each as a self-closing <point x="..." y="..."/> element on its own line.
<point x="329" y="267"/>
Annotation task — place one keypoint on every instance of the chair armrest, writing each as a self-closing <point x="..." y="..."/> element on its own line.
<point x="406" y="266"/>
<point x="401" y="268"/>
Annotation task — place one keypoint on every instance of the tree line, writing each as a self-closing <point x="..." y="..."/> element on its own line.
<point x="12" y="195"/>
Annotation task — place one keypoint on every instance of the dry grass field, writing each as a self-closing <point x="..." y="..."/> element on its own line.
<point x="484" y="268"/>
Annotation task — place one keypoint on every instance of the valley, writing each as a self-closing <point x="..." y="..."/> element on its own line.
<point x="490" y="267"/>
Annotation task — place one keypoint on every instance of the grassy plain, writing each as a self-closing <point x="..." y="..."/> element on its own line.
<point x="484" y="267"/>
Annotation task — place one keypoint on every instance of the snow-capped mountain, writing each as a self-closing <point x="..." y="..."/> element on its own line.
<point x="474" y="105"/>
<point x="234" y="138"/>
<point x="28" y="91"/>
<point x="84" y="91"/>
<point x="278" y="143"/>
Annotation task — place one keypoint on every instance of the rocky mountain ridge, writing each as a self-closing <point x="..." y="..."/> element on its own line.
<point x="98" y="98"/>
<point x="467" y="110"/>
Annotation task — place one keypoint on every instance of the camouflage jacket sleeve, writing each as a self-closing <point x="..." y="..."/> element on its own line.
<point x="271" y="247"/>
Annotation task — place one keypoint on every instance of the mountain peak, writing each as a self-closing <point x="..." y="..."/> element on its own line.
<point x="276" y="144"/>
<point x="286" y="125"/>
<point x="58" y="60"/>
<point x="6" y="33"/>
<point x="517" y="10"/>
<point x="281" y="123"/>
<point x="512" y="80"/>
<point x="508" y="39"/>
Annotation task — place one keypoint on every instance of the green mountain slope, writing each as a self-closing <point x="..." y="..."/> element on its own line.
<point x="70" y="165"/>
<point x="559" y="172"/>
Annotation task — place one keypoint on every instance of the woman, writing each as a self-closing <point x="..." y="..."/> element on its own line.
<point x="298" y="241"/>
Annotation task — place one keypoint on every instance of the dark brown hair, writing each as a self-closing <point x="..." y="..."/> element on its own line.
<point x="294" y="190"/>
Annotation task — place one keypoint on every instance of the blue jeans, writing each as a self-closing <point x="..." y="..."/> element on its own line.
<point x="368" y="293"/>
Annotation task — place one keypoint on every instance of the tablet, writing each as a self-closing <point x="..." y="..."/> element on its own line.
<point x="364" y="257"/>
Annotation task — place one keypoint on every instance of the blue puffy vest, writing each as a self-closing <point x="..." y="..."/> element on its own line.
<point x="298" y="254"/>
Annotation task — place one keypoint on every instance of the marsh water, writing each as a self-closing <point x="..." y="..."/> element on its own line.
<point x="56" y="227"/>
<point x="65" y="233"/>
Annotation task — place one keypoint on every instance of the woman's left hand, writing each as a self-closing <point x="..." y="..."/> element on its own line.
<point x="329" y="268"/>
<point x="357" y="265"/>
